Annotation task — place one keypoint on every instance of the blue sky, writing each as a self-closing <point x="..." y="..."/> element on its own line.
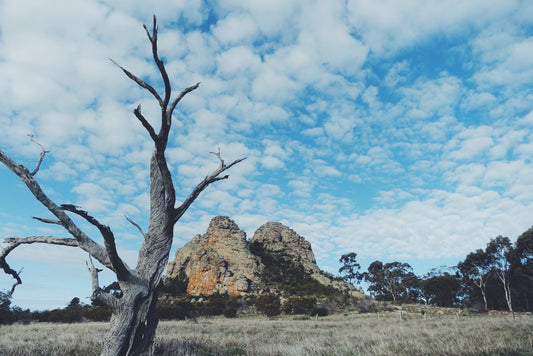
<point x="397" y="130"/>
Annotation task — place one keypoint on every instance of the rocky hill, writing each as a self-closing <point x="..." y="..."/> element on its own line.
<point x="222" y="260"/>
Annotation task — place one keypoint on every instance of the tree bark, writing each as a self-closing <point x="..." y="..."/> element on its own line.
<point x="134" y="319"/>
<point x="482" y="284"/>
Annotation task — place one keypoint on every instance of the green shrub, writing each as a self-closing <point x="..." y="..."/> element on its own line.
<point x="268" y="304"/>
<point x="299" y="305"/>
<point x="319" y="311"/>
<point x="178" y="310"/>
<point x="230" y="311"/>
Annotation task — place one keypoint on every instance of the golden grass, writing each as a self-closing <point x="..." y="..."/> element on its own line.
<point x="334" y="335"/>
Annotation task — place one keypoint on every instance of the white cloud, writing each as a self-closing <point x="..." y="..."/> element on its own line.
<point x="395" y="129"/>
<point x="270" y="162"/>
<point x="235" y="28"/>
<point x="388" y="25"/>
<point x="471" y="143"/>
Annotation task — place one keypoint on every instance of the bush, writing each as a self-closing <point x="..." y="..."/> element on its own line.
<point x="97" y="313"/>
<point x="230" y="311"/>
<point x="318" y="311"/>
<point x="299" y="305"/>
<point x="178" y="310"/>
<point x="268" y="304"/>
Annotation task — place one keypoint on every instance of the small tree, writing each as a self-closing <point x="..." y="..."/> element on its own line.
<point x="133" y="323"/>
<point x="6" y="315"/>
<point x="350" y="267"/>
<point x="476" y="270"/>
<point x="498" y="250"/>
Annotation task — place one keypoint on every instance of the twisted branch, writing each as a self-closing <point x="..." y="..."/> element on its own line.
<point x="213" y="177"/>
<point x="119" y="266"/>
<point x="98" y="294"/>
<point x="14" y="242"/>
<point x="85" y="242"/>
<point x="41" y="156"/>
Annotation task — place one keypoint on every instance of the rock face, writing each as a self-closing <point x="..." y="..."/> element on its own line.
<point x="223" y="261"/>
<point x="277" y="239"/>
<point x="217" y="262"/>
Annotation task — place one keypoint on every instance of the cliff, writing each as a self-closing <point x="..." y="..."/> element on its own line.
<point x="222" y="260"/>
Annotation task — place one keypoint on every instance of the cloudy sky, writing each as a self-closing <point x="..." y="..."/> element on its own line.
<point x="400" y="130"/>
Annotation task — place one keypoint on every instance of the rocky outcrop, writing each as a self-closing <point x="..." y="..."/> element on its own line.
<point x="223" y="261"/>
<point x="217" y="262"/>
<point x="279" y="240"/>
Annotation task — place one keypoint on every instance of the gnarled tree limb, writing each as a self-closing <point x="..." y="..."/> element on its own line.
<point x="180" y="96"/>
<point x="85" y="242"/>
<point x="14" y="242"/>
<point x="47" y="221"/>
<point x="41" y="156"/>
<point x="136" y="225"/>
<point x="139" y="81"/>
<point x="145" y="123"/>
<point x="213" y="177"/>
<point x="119" y="266"/>
<point x="98" y="294"/>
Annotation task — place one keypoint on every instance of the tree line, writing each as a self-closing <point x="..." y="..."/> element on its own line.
<point x="498" y="277"/>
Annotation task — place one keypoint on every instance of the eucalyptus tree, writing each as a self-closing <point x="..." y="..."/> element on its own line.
<point x="521" y="260"/>
<point x="499" y="250"/>
<point x="394" y="279"/>
<point x="476" y="270"/>
<point x="134" y="320"/>
<point x="350" y="267"/>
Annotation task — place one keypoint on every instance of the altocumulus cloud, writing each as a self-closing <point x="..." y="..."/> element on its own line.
<point x="398" y="130"/>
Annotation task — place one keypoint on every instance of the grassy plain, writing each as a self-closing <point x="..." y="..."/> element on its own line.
<point x="343" y="334"/>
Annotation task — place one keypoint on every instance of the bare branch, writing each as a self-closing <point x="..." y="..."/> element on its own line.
<point x="98" y="294"/>
<point x="136" y="225"/>
<point x="14" y="242"/>
<point x="159" y="63"/>
<point x="41" y="156"/>
<point x="145" y="123"/>
<point x="186" y="91"/>
<point x="139" y="81"/>
<point x="85" y="242"/>
<point x="47" y="221"/>
<point x="213" y="177"/>
<point x="119" y="266"/>
<point x="8" y="270"/>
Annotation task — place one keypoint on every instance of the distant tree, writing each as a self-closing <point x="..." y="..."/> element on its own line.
<point x="521" y="265"/>
<point x="441" y="289"/>
<point x="498" y="250"/>
<point x="350" y="267"/>
<point x="395" y="279"/>
<point x="132" y="327"/>
<point x="6" y="315"/>
<point x="476" y="270"/>
<point x="74" y="303"/>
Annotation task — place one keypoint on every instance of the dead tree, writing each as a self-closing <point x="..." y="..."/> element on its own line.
<point x="134" y="320"/>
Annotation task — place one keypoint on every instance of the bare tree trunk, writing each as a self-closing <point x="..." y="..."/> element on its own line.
<point x="131" y="331"/>
<point x="134" y="320"/>
<point x="481" y="284"/>
<point x="506" y="289"/>
<point x="133" y="325"/>
<point x="485" y="304"/>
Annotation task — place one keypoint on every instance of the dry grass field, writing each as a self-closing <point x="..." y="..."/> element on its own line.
<point x="334" y="335"/>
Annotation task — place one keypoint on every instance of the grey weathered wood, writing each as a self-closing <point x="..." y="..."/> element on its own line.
<point x="134" y="320"/>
